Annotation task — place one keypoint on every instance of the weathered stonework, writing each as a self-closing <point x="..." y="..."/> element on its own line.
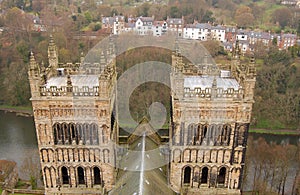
<point x="76" y="129"/>
<point x="209" y="127"/>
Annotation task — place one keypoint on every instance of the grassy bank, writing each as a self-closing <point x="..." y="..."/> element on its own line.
<point x="276" y="132"/>
<point x="17" y="108"/>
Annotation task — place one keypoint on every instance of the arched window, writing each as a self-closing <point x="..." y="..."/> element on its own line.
<point x="222" y="175"/>
<point x="204" y="175"/>
<point x="58" y="134"/>
<point x="79" y="128"/>
<point x="66" y="131"/>
<point x="187" y="175"/>
<point x="97" y="175"/>
<point x="87" y="135"/>
<point x="65" y="175"/>
<point x="73" y="132"/>
<point x="80" y="173"/>
<point x="94" y="133"/>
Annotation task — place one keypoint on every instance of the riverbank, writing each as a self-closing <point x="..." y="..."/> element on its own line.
<point x="18" y="110"/>
<point x="276" y="131"/>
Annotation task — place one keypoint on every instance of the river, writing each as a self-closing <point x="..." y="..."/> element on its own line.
<point x="18" y="139"/>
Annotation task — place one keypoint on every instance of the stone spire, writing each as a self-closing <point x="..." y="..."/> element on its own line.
<point x="34" y="69"/>
<point x="52" y="54"/>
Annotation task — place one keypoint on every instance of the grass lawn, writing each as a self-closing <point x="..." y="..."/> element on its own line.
<point x="275" y="132"/>
<point x="19" y="108"/>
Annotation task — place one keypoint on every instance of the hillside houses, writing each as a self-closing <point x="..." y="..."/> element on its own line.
<point x="226" y="35"/>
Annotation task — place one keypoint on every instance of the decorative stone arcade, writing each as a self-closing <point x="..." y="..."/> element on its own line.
<point x="73" y="112"/>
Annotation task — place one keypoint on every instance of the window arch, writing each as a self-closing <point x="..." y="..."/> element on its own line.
<point x="222" y="175"/>
<point x="204" y="175"/>
<point x="187" y="175"/>
<point x="65" y="175"/>
<point x="94" y="134"/>
<point x="80" y="174"/>
<point x="97" y="176"/>
<point x="66" y="131"/>
<point x="73" y="132"/>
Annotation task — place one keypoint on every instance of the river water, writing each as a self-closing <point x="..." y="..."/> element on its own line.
<point x="18" y="139"/>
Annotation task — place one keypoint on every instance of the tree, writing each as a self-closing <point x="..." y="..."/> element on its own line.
<point x="208" y="17"/>
<point x="282" y="16"/>
<point x="175" y="12"/>
<point x="244" y="16"/>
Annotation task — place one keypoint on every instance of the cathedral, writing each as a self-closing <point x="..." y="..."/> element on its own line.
<point x="201" y="152"/>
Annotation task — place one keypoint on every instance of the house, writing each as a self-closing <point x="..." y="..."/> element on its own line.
<point x="159" y="28"/>
<point x="228" y="46"/>
<point x="199" y="31"/>
<point x="244" y="46"/>
<point x="286" y="41"/>
<point x="242" y="35"/>
<point x="143" y="25"/>
<point x="115" y="24"/>
<point x="218" y="33"/>
<point x="262" y="37"/>
<point x="190" y="31"/>
<point x="230" y="34"/>
<point x="176" y="25"/>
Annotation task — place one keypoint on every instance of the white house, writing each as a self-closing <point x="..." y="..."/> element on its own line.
<point x="143" y="25"/>
<point x="218" y="33"/>
<point x="242" y="35"/>
<point x="199" y="31"/>
<point x="159" y="28"/>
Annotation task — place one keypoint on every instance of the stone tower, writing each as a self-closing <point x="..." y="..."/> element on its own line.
<point x="74" y="125"/>
<point x="77" y="133"/>
<point x="211" y="112"/>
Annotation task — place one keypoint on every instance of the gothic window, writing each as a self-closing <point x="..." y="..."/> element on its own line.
<point x="66" y="132"/>
<point x="198" y="134"/>
<point x="94" y="134"/>
<point x="190" y="137"/>
<point x="203" y="134"/>
<point x="221" y="175"/>
<point x="65" y="175"/>
<point x="204" y="175"/>
<point x="73" y="133"/>
<point x="187" y="175"/>
<point x="80" y="173"/>
<point x="47" y="175"/>
<point x="57" y="133"/>
<point x="97" y="175"/>
<point x="79" y="128"/>
<point x="225" y="136"/>
<point x="86" y="132"/>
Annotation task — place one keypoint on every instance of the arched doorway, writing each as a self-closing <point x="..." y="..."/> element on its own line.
<point x="222" y="175"/>
<point x="204" y="175"/>
<point x="187" y="175"/>
<point x="80" y="173"/>
<point x="65" y="175"/>
<point x="97" y="176"/>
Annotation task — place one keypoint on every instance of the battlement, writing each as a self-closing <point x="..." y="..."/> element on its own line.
<point x="219" y="93"/>
<point x="65" y="91"/>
